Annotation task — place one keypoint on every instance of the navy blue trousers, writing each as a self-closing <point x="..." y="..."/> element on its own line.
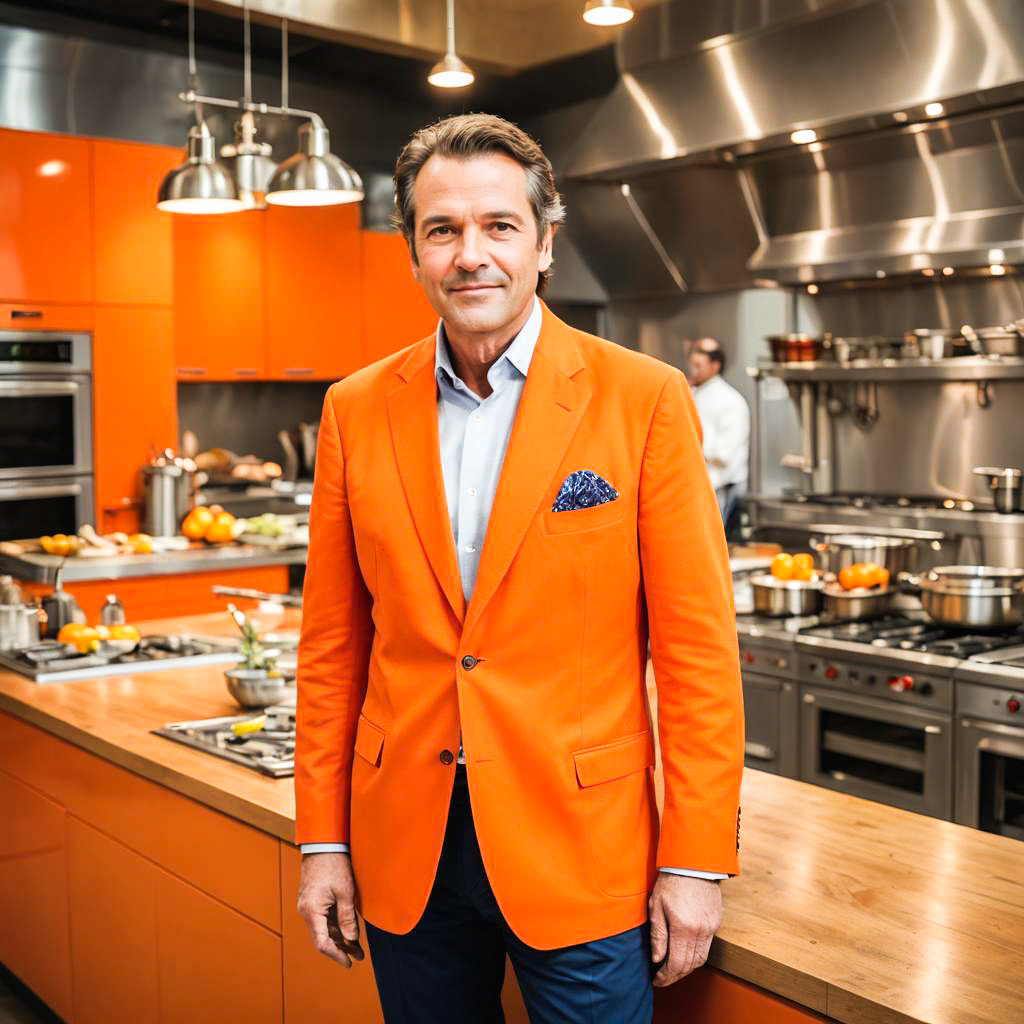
<point x="451" y="967"/>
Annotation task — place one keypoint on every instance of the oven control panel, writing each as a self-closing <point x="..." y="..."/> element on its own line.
<point x="900" y="682"/>
<point x="995" y="703"/>
<point x="766" y="660"/>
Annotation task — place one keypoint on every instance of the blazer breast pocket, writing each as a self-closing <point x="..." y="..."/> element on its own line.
<point x="579" y="520"/>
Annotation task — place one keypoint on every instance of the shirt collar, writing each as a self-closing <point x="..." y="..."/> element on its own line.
<point x="518" y="353"/>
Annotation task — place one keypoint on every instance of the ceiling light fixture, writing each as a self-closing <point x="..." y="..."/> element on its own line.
<point x="934" y="109"/>
<point x="607" y="12"/>
<point x="802" y="135"/>
<point x="200" y="185"/>
<point x="997" y="270"/>
<point x="812" y="289"/>
<point x="948" y="271"/>
<point x="450" y="72"/>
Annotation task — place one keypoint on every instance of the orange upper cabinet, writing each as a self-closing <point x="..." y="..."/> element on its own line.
<point x="132" y="238"/>
<point x="395" y="311"/>
<point x="219" y="295"/>
<point x="313" y="286"/>
<point x="45" y="218"/>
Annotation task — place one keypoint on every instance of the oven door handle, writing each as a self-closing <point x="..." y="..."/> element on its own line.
<point x="26" y="490"/>
<point x="997" y="738"/>
<point x="759" y="751"/>
<point x="35" y="388"/>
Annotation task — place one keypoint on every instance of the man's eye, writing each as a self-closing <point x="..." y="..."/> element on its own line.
<point x="437" y="230"/>
<point x="503" y="226"/>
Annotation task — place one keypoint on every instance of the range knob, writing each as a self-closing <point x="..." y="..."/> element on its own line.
<point x="748" y="658"/>
<point x="831" y="672"/>
<point x="900" y="684"/>
<point x="1013" y="705"/>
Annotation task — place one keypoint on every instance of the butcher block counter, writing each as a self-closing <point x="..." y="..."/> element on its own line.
<point x="846" y="910"/>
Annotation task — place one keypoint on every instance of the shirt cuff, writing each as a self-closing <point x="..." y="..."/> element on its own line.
<point x="710" y="875"/>
<point x="305" y="848"/>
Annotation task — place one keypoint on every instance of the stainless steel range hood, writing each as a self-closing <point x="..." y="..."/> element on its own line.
<point x="701" y="132"/>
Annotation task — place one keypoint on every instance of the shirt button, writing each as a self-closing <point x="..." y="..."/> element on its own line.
<point x="447" y="757"/>
<point x="471" y="491"/>
<point x="469" y="662"/>
<point x="478" y="417"/>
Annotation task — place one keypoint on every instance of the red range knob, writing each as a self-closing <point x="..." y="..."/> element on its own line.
<point x="831" y="672"/>
<point x="1013" y="704"/>
<point x="900" y="684"/>
<point x="749" y="658"/>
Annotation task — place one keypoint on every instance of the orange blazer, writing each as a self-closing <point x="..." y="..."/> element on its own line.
<point x="554" y="713"/>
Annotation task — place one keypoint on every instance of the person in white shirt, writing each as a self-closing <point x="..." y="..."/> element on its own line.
<point x="725" y="421"/>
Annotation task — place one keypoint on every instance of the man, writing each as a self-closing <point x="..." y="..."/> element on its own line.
<point x="725" y="419"/>
<point x="502" y="514"/>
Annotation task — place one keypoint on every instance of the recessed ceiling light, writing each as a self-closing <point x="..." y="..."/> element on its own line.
<point x="802" y="135"/>
<point x="900" y="115"/>
<point x="812" y="289"/>
<point x="948" y="271"/>
<point x="997" y="270"/>
<point x="934" y="109"/>
<point x="928" y="271"/>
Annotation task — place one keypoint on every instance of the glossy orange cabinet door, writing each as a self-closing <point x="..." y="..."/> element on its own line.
<point x="313" y="286"/>
<point x="134" y="406"/>
<point x="113" y="894"/>
<point x="34" y="893"/>
<point x="215" y="964"/>
<point x="395" y="310"/>
<point x="132" y="238"/>
<point x="219" y="296"/>
<point x="45" y="218"/>
<point x="34" y="316"/>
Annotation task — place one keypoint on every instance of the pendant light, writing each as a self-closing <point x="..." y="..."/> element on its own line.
<point x="314" y="176"/>
<point x="607" y="12"/>
<point x="200" y="185"/>
<point x="450" y="72"/>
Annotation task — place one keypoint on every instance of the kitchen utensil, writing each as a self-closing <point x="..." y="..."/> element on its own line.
<point x="112" y="612"/>
<point x="785" y="597"/>
<point x="850" y="605"/>
<point x="308" y="435"/>
<point x="798" y="348"/>
<point x="935" y="343"/>
<point x="162" y="483"/>
<point x="10" y="592"/>
<point x="60" y="606"/>
<point x="1006" y="487"/>
<point x="1000" y="341"/>
<point x="291" y="456"/>
<point x="971" y="596"/>
<point x="844" y="549"/>
<point x="291" y="600"/>
<point x="256" y="688"/>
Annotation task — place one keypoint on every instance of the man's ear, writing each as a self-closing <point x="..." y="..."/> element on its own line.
<point x="547" y="254"/>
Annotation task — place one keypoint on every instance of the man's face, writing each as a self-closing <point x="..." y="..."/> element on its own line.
<point x="476" y="241"/>
<point x="701" y="367"/>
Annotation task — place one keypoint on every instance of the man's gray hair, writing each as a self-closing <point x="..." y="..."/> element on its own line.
<point x="469" y="135"/>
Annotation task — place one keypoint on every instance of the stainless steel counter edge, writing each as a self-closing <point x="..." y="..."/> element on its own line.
<point x="40" y="568"/>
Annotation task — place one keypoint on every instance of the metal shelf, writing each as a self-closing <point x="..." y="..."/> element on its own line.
<point x="967" y="368"/>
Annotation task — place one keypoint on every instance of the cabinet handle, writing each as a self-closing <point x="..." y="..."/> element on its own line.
<point x="246" y="371"/>
<point x="26" y="314"/>
<point x="298" y="371"/>
<point x="192" y="370"/>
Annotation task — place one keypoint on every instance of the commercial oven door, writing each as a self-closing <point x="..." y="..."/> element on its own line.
<point x="990" y="777"/>
<point x="45" y="426"/>
<point x="897" y="755"/>
<point x="31" y="508"/>
<point x="771" y="710"/>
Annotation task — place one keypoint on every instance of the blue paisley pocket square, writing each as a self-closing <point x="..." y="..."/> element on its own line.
<point x="583" y="489"/>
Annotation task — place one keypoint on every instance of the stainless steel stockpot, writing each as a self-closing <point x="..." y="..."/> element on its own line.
<point x="1005" y="485"/>
<point x="972" y="596"/>
<point x="786" y="597"/>
<point x="844" y="549"/>
<point x="862" y="603"/>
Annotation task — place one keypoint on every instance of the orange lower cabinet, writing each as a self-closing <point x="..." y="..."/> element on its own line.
<point x="709" y="996"/>
<point x="164" y="597"/>
<point x="215" y="964"/>
<point x="34" y="893"/>
<point x="113" y="901"/>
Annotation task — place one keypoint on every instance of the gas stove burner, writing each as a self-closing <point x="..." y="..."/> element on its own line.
<point x="916" y="635"/>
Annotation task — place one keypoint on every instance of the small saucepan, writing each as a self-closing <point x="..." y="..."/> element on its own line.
<point x="786" y="597"/>
<point x="851" y="605"/>
<point x="1005" y="485"/>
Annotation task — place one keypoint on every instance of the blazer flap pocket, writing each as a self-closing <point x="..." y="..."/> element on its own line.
<point x="369" y="740"/>
<point x="613" y="760"/>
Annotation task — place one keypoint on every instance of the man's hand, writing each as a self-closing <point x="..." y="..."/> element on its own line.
<point x="327" y="905"/>
<point x="685" y="913"/>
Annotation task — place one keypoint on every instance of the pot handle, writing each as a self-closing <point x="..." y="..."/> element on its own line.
<point x="909" y="579"/>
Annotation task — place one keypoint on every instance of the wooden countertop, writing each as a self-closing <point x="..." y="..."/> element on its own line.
<point x="858" y="911"/>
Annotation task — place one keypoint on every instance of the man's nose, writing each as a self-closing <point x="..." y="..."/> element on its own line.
<point x="471" y="253"/>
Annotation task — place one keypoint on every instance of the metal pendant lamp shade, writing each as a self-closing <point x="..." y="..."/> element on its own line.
<point x="314" y="176"/>
<point x="450" y="73"/>
<point x="607" y="12"/>
<point x="200" y="185"/>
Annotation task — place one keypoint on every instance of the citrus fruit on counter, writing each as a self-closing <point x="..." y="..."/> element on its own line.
<point x="782" y="567"/>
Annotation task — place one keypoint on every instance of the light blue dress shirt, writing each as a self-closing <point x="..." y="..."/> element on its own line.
<point x="474" y="434"/>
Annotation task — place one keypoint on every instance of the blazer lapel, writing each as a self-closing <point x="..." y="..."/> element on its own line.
<point x="412" y="412"/>
<point x="550" y="410"/>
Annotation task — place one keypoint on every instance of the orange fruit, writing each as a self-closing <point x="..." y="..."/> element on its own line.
<point x="782" y="567"/>
<point x="125" y="633"/>
<point x="848" y="578"/>
<point x="881" y="576"/>
<point x="805" y="561"/>
<point x="197" y="522"/>
<point x="802" y="572"/>
<point x="220" y="531"/>
<point x="70" y="633"/>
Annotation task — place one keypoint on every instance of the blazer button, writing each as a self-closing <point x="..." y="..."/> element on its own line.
<point x="469" y="662"/>
<point x="447" y="757"/>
